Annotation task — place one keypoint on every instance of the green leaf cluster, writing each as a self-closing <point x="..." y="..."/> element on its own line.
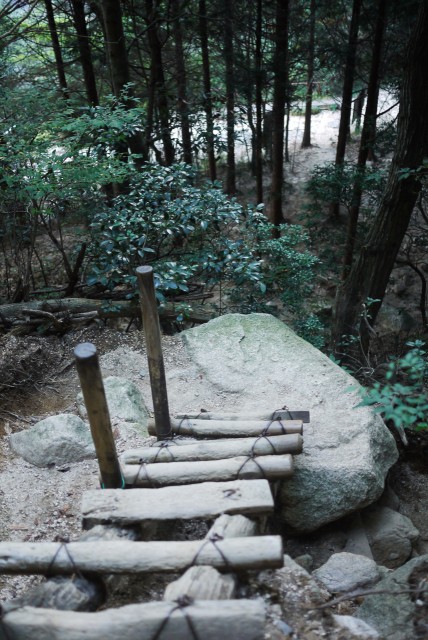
<point x="402" y="397"/>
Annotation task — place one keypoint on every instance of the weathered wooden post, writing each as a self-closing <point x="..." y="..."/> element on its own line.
<point x="96" y="405"/>
<point x="152" y="332"/>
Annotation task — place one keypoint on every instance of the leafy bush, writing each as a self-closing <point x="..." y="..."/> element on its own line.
<point x="194" y="235"/>
<point x="335" y="183"/>
<point x="403" y="396"/>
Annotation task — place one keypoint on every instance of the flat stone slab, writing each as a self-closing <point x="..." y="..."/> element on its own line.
<point x="260" y="364"/>
<point x="56" y="440"/>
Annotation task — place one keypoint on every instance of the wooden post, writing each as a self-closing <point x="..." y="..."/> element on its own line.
<point x="96" y="405"/>
<point x="154" y="351"/>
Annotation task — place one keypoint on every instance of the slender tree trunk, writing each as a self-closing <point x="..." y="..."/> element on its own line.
<point x="259" y="105"/>
<point x="367" y="136"/>
<point x="119" y="66"/>
<point x="183" y="107"/>
<point x="370" y="273"/>
<point x="203" y="32"/>
<point x="59" y="62"/>
<point x="158" y="80"/>
<point x="348" y="82"/>
<point x="278" y="110"/>
<point x="78" y="7"/>
<point x="306" y="142"/>
<point x="230" y="97"/>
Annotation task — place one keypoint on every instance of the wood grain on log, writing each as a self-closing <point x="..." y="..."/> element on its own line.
<point x="214" y="450"/>
<point x="163" y="474"/>
<point x="204" y="501"/>
<point x="237" y="619"/>
<point x="283" y="414"/>
<point x="202" y="583"/>
<point x="232" y="428"/>
<point x="139" y="557"/>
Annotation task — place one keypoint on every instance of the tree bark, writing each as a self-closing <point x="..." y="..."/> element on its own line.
<point x="59" y="62"/>
<point x="279" y="101"/>
<point x="306" y="142"/>
<point x="348" y="82"/>
<point x="183" y="107"/>
<point x="79" y="19"/>
<point x="259" y="105"/>
<point x="370" y="273"/>
<point x="157" y="80"/>
<point x="203" y="32"/>
<point x="230" y="97"/>
<point x="118" y="59"/>
<point x="367" y="137"/>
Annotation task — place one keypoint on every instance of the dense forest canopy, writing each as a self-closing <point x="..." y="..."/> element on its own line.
<point x="157" y="132"/>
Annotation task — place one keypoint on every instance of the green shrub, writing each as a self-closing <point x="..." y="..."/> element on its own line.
<point x="403" y="398"/>
<point x="194" y="235"/>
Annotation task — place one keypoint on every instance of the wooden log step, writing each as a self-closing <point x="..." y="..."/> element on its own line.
<point x="202" y="582"/>
<point x="226" y="526"/>
<point x="178" y="473"/>
<point x="232" y="428"/>
<point x="233" y="554"/>
<point x="206" y="500"/>
<point x="282" y="414"/>
<point x="214" y="449"/>
<point x="206" y="582"/>
<point x="234" y="620"/>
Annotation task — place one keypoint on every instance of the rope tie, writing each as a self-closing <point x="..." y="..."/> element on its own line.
<point x="188" y="424"/>
<point x="181" y="604"/>
<point x="63" y="545"/>
<point x="213" y="539"/>
<point x="143" y="467"/>
<point x="253" y="458"/>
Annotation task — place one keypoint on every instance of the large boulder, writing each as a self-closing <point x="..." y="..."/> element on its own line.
<point x="125" y="403"/>
<point x="56" y="440"/>
<point x="257" y="363"/>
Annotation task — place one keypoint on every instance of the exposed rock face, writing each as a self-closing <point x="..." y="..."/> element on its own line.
<point x="347" y="572"/>
<point x="257" y="362"/>
<point x="56" y="440"/>
<point x="125" y="404"/>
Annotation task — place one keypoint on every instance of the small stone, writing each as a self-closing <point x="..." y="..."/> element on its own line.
<point x="347" y="572"/>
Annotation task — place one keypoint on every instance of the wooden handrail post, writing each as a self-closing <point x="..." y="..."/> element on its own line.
<point x="152" y="332"/>
<point x="96" y="405"/>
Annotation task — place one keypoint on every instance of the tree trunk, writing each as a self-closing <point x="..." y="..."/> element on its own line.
<point x="306" y="142"/>
<point x="279" y="100"/>
<point x="370" y="273"/>
<point x="259" y="105"/>
<point x="230" y="97"/>
<point x="203" y="32"/>
<point x="367" y="137"/>
<point x="78" y="7"/>
<point x="348" y="82"/>
<point x="59" y="62"/>
<point x="183" y="107"/>
<point x="157" y="80"/>
<point x="118" y="59"/>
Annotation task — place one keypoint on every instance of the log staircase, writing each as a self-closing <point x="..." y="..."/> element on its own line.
<point x="220" y="468"/>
